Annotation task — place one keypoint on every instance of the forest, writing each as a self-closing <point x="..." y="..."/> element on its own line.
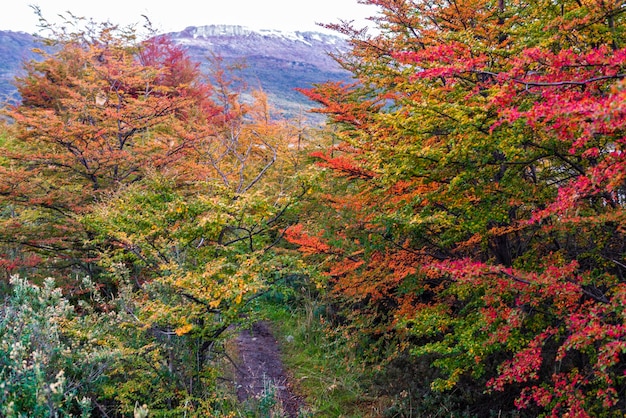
<point x="450" y="243"/>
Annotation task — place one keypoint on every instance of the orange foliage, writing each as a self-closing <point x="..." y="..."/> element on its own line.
<point x="308" y="244"/>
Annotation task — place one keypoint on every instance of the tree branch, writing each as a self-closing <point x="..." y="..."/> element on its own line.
<point x="556" y="83"/>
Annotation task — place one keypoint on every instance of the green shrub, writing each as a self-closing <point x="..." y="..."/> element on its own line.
<point x="44" y="368"/>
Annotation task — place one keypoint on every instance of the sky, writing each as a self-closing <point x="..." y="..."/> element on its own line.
<point x="175" y="15"/>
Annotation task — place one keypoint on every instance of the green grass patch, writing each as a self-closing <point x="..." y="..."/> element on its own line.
<point x="323" y="370"/>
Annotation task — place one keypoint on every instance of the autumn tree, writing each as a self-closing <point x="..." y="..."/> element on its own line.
<point x="198" y="247"/>
<point x="124" y="163"/>
<point x="98" y="109"/>
<point x="477" y="213"/>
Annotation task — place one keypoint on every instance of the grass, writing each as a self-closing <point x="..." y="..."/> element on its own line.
<point x="332" y="380"/>
<point x="323" y="372"/>
<point x="265" y="405"/>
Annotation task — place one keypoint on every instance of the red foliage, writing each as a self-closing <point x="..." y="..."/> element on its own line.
<point x="491" y="141"/>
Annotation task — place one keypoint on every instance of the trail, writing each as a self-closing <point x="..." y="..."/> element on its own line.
<point x="261" y="364"/>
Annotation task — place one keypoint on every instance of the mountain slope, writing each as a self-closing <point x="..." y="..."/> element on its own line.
<point x="278" y="62"/>
<point x="15" y="48"/>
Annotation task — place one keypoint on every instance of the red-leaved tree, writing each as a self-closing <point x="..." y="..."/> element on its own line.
<point x="478" y="203"/>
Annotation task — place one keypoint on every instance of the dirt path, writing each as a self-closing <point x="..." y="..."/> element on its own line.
<point x="260" y="365"/>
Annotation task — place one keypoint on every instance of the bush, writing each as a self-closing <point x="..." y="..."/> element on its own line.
<point x="44" y="366"/>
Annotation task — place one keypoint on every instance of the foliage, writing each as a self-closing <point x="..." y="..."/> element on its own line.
<point x="467" y="216"/>
<point x="198" y="244"/>
<point x="90" y="357"/>
<point x="122" y="161"/>
<point x="98" y="109"/>
<point x="50" y="364"/>
<point x="476" y="219"/>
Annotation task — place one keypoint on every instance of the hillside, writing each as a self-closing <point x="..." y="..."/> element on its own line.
<point x="278" y="62"/>
<point x="15" y="47"/>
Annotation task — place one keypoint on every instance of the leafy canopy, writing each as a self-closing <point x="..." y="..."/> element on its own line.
<point x="477" y="212"/>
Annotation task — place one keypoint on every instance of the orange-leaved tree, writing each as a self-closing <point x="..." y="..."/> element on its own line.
<point x="98" y="109"/>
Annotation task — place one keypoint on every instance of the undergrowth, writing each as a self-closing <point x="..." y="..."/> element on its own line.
<point x="325" y="373"/>
<point x="335" y="382"/>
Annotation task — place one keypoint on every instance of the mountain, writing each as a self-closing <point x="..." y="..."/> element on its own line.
<point x="275" y="61"/>
<point x="15" y="48"/>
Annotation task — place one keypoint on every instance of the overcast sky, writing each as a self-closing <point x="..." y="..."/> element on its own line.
<point x="175" y="15"/>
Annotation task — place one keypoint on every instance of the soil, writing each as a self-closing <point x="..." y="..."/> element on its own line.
<point x="261" y="364"/>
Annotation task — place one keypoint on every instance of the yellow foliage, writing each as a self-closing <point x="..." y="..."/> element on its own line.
<point x="183" y="330"/>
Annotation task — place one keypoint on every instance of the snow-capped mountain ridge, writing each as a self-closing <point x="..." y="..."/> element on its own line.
<point x="311" y="49"/>
<point x="211" y="31"/>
